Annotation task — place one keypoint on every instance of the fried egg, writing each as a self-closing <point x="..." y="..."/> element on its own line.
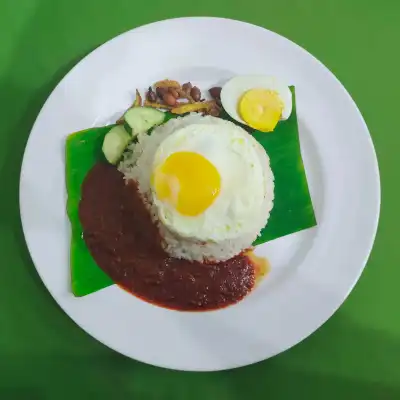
<point x="257" y="101"/>
<point x="209" y="181"/>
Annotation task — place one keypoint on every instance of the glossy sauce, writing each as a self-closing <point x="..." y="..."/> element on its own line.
<point x="125" y="243"/>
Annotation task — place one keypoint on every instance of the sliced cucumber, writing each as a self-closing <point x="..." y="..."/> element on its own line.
<point x="127" y="127"/>
<point x="115" y="142"/>
<point x="141" y="119"/>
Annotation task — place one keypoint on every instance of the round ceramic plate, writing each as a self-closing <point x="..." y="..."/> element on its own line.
<point x="312" y="271"/>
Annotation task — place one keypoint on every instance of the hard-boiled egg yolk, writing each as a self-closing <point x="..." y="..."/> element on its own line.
<point x="261" y="109"/>
<point x="187" y="181"/>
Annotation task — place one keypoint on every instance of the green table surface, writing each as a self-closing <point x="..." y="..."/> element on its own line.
<point x="44" y="355"/>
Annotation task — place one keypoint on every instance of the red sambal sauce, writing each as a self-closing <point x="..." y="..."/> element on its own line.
<point x="126" y="244"/>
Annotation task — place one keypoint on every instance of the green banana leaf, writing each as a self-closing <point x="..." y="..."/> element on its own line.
<point x="82" y="152"/>
<point x="292" y="211"/>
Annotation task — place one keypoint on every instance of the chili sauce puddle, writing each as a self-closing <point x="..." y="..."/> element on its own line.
<point x="125" y="243"/>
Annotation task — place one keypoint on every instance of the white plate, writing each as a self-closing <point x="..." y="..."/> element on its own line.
<point x="312" y="271"/>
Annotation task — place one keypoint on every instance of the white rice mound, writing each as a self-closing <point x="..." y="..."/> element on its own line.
<point x="137" y="165"/>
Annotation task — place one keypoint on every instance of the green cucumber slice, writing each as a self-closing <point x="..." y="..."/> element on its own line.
<point x="141" y="119"/>
<point x="127" y="128"/>
<point x="114" y="144"/>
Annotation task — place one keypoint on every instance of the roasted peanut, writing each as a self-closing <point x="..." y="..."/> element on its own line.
<point x="169" y="99"/>
<point x="195" y="93"/>
<point x="184" y="95"/>
<point x="214" y="111"/>
<point x="187" y="87"/>
<point x="174" y="92"/>
<point x="215" y="92"/>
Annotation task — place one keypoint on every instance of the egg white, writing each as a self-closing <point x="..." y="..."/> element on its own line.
<point x="245" y="181"/>
<point x="235" y="88"/>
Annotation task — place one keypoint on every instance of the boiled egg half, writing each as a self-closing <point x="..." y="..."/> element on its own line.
<point x="257" y="101"/>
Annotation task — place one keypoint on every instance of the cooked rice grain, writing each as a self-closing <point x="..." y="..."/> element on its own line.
<point x="137" y="164"/>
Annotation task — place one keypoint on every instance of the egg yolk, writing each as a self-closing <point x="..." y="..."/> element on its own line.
<point x="188" y="182"/>
<point x="261" y="109"/>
